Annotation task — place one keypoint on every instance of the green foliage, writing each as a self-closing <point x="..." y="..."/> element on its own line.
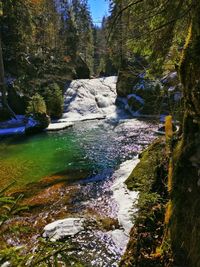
<point x="54" y="100"/>
<point x="144" y="173"/>
<point x="12" y="256"/>
<point x="36" y="105"/>
<point x="9" y="205"/>
<point x="45" y="253"/>
<point x="148" y="28"/>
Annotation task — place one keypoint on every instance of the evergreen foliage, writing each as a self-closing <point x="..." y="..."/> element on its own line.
<point x="44" y="40"/>
<point x="36" y="105"/>
<point x="54" y="100"/>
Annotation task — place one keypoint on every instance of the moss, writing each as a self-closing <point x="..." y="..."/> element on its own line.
<point x="144" y="173"/>
<point x="145" y="248"/>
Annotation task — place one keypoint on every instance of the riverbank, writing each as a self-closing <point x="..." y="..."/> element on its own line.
<point x="147" y="246"/>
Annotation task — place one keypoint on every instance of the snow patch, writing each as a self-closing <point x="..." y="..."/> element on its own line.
<point x="58" y="126"/>
<point x="123" y="196"/>
<point x="63" y="228"/>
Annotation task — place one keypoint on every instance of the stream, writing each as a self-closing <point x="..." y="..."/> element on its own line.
<point x="70" y="173"/>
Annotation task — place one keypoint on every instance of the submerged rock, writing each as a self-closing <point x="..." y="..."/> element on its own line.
<point x="63" y="228"/>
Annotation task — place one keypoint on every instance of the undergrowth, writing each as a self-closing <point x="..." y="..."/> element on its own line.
<point x="44" y="254"/>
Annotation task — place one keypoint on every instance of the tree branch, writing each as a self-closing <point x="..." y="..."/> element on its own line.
<point x="121" y="12"/>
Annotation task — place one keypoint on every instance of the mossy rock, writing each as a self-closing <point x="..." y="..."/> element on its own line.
<point x="150" y="178"/>
<point x="42" y="122"/>
<point x="126" y="81"/>
<point x="144" y="173"/>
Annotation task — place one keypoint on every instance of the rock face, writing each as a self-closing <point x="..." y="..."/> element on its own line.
<point x="63" y="228"/>
<point x="143" y="97"/>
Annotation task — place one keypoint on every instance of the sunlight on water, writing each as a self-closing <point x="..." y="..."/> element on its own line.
<point x="92" y="146"/>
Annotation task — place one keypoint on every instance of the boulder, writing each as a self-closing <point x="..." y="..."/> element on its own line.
<point x="37" y="124"/>
<point x="126" y="81"/>
<point x="63" y="228"/>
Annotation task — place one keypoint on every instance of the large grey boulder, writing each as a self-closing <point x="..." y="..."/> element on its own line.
<point x="63" y="228"/>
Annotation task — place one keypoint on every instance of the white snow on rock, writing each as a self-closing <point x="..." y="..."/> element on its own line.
<point x="125" y="200"/>
<point x="123" y="196"/>
<point x="58" y="126"/>
<point x="90" y="99"/>
<point x="120" y="239"/>
<point x="63" y="228"/>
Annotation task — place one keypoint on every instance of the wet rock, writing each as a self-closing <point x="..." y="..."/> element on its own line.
<point x="63" y="228"/>
<point x="37" y="124"/>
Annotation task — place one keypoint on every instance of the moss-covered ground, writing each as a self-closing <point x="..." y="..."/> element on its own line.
<point x="146" y="247"/>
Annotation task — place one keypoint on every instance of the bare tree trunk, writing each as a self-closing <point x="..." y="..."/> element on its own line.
<point x="3" y="86"/>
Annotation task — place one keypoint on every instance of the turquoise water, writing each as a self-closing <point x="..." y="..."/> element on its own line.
<point x="95" y="147"/>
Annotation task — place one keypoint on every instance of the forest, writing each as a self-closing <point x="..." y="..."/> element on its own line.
<point x="100" y="133"/>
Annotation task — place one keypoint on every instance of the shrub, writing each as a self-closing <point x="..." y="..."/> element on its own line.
<point x="36" y="105"/>
<point x="54" y="100"/>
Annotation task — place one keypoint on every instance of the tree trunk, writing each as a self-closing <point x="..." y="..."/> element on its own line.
<point x="3" y="86"/>
<point x="185" y="224"/>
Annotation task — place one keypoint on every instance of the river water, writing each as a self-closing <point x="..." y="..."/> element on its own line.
<point x="79" y="165"/>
